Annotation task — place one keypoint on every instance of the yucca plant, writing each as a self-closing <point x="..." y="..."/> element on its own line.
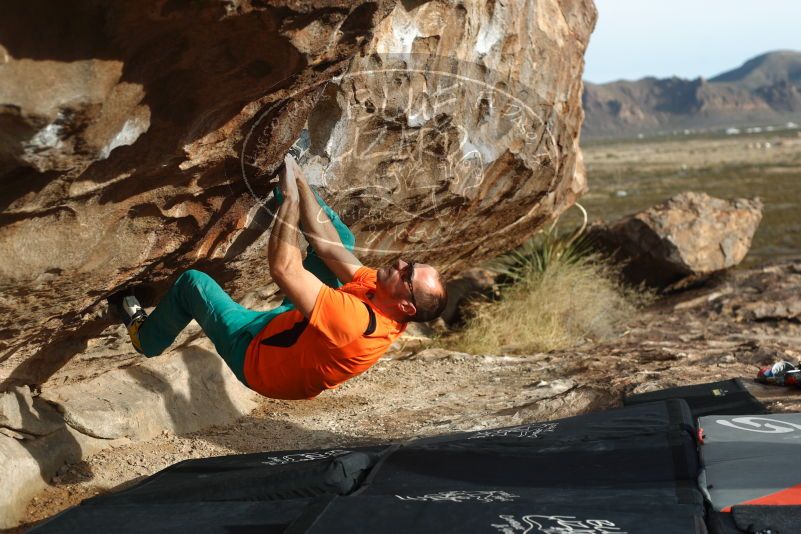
<point x="558" y="293"/>
<point x="544" y="250"/>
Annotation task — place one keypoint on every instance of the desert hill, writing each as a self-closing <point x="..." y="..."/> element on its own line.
<point x="765" y="90"/>
<point x="767" y="69"/>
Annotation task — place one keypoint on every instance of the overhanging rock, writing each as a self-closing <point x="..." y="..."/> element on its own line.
<point x="151" y="148"/>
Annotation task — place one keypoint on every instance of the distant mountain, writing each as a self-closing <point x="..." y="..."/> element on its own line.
<point x="764" y="90"/>
<point x="767" y="69"/>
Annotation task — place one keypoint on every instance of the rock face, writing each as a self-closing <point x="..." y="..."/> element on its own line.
<point x="452" y="139"/>
<point x="691" y="235"/>
<point x="118" y="152"/>
<point x="138" y="140"/>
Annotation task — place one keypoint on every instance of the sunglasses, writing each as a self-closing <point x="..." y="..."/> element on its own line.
<point x="406" y="276"/>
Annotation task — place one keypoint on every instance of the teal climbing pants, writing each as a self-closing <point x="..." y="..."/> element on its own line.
<point x="229" y="325"/>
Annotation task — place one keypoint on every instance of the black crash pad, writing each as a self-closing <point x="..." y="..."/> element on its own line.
<point x="726" y="397"/>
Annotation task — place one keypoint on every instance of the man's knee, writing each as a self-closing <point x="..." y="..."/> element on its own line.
<point x="192" y="284"/>
<point x="191" y="277"/>
<point x="150" y="353"/>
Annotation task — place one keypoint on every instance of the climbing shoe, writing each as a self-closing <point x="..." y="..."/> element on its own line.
<point x="132" y="314"/>
<point x="780" y="374"/>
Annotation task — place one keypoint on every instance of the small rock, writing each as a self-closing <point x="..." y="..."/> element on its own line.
<point x="21" y="411"/>
<point x="434" y="354"/>
<point x="688" y="237"/>
<point x="470" y="285"/>
<point x="14" y="434"/>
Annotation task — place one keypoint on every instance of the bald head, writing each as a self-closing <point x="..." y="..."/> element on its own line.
<point x="430" y="294"/>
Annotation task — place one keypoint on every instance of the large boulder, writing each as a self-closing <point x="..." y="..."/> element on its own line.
<point x="119" y="150"/>
<point x="453" y="138"/>
<point x="688" y="237"/>
<point x="138" y="139"/>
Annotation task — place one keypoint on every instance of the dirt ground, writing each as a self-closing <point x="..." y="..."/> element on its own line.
<point x="716" y="332"/>
<point x="690" y="153"/>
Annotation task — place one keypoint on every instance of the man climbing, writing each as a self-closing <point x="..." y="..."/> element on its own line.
<point x="324" y="332"/>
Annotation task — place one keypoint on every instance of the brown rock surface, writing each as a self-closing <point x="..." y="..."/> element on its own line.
<point x="28" y="415"/>
<point x="688" y="237"/>
<point x="457" y="139"/>
<point x="126" y="132"/>
<point x="119" y="149"/>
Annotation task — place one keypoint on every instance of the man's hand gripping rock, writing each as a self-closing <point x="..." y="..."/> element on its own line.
<point x="287" y="179"/>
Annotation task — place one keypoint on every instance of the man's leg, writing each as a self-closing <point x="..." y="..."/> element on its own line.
<point x="195" y="295"/>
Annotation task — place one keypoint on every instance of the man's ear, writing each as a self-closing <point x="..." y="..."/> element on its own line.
<point x="407" y="308"/>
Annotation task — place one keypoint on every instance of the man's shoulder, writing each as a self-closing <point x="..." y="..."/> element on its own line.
<point x="364" y="278"/>
<point x="365" y="275"/>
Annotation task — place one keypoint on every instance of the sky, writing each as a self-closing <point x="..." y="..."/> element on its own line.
<point x="686" y="38"/>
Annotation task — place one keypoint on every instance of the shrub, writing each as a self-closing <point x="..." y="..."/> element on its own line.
<point x="557" y="294"/>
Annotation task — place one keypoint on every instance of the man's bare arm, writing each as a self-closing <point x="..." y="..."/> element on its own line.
<point x="320" y="231"/>
<point x="283" y="252"/>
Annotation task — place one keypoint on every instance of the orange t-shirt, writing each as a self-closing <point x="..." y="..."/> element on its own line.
<point x="296" y="358"/>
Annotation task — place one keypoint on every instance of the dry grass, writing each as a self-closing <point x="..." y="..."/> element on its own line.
<point x="556" y="300"/>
